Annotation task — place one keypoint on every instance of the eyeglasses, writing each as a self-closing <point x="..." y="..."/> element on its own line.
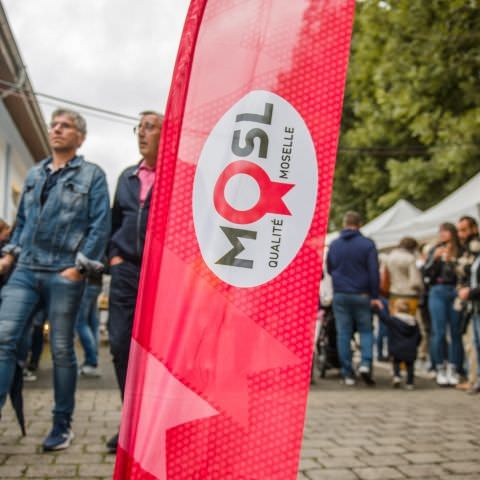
<point x="62" y="125"/>
<point x="147" y="127"/>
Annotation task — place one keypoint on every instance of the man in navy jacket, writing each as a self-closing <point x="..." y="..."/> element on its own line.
<point x="129" y="224"/>
<point x="352" y="262"/>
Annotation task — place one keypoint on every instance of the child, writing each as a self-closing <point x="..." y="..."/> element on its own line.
<point x="403" y="339"/>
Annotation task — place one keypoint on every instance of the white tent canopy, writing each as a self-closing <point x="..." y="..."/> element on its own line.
<point x="397" y="214"/>
<point x="463" y="201"/>
<point x="403" y="211"/>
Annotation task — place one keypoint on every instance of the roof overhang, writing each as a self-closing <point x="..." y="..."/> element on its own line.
<point x="22" y="107"/>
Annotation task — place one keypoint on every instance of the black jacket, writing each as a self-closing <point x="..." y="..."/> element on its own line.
<point x="352" y="261"/>
<point x="475" y="290"/>
<point x="436" y="271"/>
<point x="129" y="219"/>
<point x="403" y="338"/>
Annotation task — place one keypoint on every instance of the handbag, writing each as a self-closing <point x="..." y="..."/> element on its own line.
<point x="384" y="282"/>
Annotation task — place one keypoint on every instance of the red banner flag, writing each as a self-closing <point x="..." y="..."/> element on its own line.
<point x="221" y="351"/>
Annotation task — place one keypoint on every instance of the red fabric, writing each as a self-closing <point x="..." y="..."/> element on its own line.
<point x="219" y="374"/>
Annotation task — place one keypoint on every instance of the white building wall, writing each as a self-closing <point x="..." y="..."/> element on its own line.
<point x="15" y="161"/>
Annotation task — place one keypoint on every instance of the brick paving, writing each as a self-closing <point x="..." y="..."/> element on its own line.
<point x="350" y="433"/>
<point x="96" y="419"/>
<point x="381" y="434"/>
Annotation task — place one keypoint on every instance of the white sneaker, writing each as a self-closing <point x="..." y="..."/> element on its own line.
<point x="349" y="381"/>
<point x="28" y="375"/>
<point x="90" y="371"/>
<point x="59" y="438"/>
<point x="452" y="375"/>
<point x="474" y="389"/>
<point x="396" y="381"/>
<point x="442" y="378"/>
<point x="366" y="375"/>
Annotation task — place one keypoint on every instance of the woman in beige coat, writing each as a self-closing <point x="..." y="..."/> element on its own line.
<point x="405" y="280"/>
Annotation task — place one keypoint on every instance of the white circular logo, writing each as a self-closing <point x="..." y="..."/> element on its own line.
<point x="255" y="190"/>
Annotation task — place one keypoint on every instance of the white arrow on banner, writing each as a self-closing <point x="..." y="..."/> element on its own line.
<point x="166" y="403"/>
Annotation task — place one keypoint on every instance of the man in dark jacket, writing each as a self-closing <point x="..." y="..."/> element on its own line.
<point x="468" y="233"/>
<point x="129" y="224"/>
<point x="467" y="229"/>
<point x="352" y="262"/>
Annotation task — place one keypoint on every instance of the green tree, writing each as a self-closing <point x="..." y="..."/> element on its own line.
<point x="411" y="120"/>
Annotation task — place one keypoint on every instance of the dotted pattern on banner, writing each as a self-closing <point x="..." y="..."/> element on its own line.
<point x="311" y="79"/>
<point x="218" y="449"/>
<point x="129" y="468"/>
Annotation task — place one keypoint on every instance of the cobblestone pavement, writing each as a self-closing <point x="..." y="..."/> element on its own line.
<point x="350" y="433"/>
<point x="383" y="434"/>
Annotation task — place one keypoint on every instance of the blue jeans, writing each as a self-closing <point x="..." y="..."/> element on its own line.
<point x="20" y="297"/>
<point x="476" y="339"/>
<point x="443" y="315"/>
<point x="36" y="344"/>
<point x="31" y="341"/>
<point x="87" y="323"/>
<point x="353" y="312"/>
<point x="380" y="340"/>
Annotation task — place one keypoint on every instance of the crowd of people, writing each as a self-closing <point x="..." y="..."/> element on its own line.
<point x="426" y="298"/>
<point x="64" y="237"/>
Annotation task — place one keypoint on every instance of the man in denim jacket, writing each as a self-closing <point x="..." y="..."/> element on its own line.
<point x="62" y="228"/>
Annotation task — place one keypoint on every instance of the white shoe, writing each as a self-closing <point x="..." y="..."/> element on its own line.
<point x="442" y="378"/>
<point x="349" y="381"/>
<point x="474" y="389"/>
<point x="396" y="381"/>
<point x="452" y="375"/>
<point x="28" y="375"/>
<point x="90" y="371"/>
<point x="366" y="375"/>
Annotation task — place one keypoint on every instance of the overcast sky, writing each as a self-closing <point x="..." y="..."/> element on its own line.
<point x="113" y="54"/>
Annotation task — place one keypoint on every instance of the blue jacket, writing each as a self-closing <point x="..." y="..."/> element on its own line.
<point x="71" y="228"/>
<point x="352" y="262"/>
<point x="129" y="219"/>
